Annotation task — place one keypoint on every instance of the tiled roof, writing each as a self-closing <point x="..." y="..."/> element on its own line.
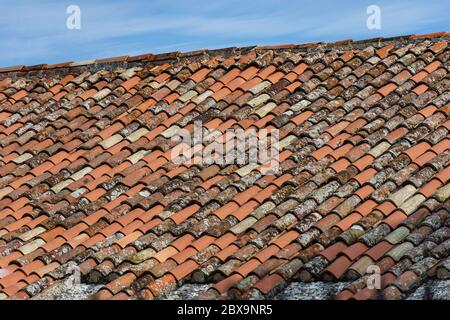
<point x="86" y="177"/>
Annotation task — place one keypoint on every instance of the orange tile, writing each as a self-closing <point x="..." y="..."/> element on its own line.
<point x="184" y="214"/>
<point x="387" y="89"/>
<point x="394" y="219"/>
<point x="227" y="283"/>
<point x="245" y="210"/>
<point x="266" y="284"/>
<point x="184" y="269"/>
<point x="383" y="52"/>
<point x="332" y="251"/>
<point x="420" y="89"/>
<point x="348" y="221"/>
<point x="338" y="267"/>
<point x="302" y="117"/>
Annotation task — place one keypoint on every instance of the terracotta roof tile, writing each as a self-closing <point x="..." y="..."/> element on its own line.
<point x="363" y="170"/>
<point x="395" y="218"/>
<point x="337" y="269"/>
<point x="387" y="89"/>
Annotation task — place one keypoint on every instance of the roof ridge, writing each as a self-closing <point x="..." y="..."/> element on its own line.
<point x="129" y="61"/>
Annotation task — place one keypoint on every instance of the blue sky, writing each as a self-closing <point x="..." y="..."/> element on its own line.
<point x="33" y="32"/>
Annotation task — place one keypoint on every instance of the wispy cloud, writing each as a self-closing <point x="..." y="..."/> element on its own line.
<point x="35" y="32"/>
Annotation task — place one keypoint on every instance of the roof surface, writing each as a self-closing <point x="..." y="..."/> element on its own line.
<point x="87" y="181"/>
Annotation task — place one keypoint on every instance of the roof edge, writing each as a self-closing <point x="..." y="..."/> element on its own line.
<point x="49" y="70"/>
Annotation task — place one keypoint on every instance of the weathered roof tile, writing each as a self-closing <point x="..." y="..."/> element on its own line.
<point x="362" y="178"/>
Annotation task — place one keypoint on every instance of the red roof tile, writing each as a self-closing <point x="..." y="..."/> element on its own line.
<point x="87" y="175"/>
